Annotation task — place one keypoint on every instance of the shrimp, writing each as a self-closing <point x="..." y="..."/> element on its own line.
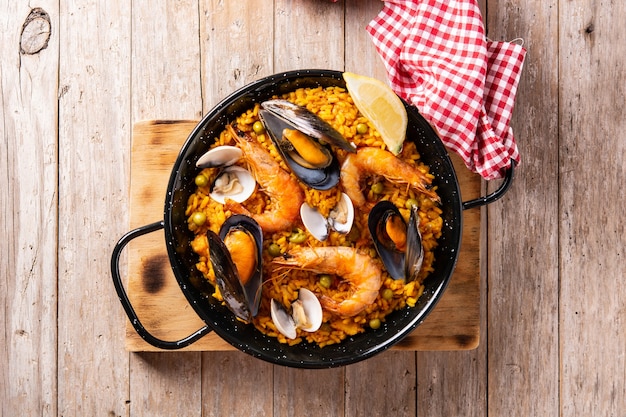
<point x="282" y="189"/>
<point x="380" y="162"/>
<point x="359" y="270"/>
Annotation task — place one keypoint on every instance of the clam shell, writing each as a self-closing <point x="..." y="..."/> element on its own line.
<point x="313" y="310"/>
<point x="245" y="178"/>
<point x="342" y="216"/>
<point x="220" y="156"/>
<point x="341" y="219"/>
<point x="314" y="222"/>
<point x="306" y="314"/>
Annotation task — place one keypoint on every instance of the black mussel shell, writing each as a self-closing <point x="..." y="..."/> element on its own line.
<point x="414" y="256"/>
<point x="317" y="178"/>
<point x="307" y="122"/>
<point x="392" y="258"/>
<point x="242" y="300"/>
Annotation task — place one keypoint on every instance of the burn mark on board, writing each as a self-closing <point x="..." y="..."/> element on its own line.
<point x="153" y="274"/>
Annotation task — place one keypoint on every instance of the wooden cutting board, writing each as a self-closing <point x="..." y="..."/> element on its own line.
<point x="454" y="324"/>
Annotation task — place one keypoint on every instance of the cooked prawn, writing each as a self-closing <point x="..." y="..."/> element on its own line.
<point x="282" y="189"/>
<point x="370" y="160"/>
<point x="359" y="270"/>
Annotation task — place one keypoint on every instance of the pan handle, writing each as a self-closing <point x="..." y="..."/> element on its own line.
<point x="490" y="198"/>
<point x="130" y="312"/>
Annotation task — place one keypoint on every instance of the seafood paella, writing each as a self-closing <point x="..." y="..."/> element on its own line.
<point x="306" y="225"/>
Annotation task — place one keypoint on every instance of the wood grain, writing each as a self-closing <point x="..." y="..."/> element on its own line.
<point x="552" y="335"/>
<point x="93" y="138"/>
<point x="28" y="214"/>
<point x="592" y="176"/>
<point x="523" y="295"/>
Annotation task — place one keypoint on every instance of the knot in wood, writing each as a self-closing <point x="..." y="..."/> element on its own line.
<point x="35" y="32"/>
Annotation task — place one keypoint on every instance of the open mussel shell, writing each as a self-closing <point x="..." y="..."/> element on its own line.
<point x="307" y="122"/>
<point x="402" y="262"/>
<point x="242" y="295"/>
<point x="322" y="177"/>
<point x="305" y="313"/>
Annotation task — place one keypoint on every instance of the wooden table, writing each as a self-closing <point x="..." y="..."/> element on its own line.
<point x="77" y="76"/>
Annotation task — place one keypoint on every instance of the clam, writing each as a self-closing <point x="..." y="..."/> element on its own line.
<point x="398" y="244"/>
<point x="340" y="218"/>
<point x="305" y="313"/>
<point x="220" y="156"/>
<point x="237" y="263"/>
<point x="303" y="140"/>
<point x="233" y="182"/>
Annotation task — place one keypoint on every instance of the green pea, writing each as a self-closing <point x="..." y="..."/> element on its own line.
<point x="375" y="324"/>
<point x="410" y="203"/>
<point x="298" y="236"/>
<point x="387" y="294"/>
<point x="362" y="128"/>
<point x="325" y="280"/>
<point x="198" y="218"/>
<point x="201" y="180"/>
<point x="258" y="127"/>
<point x="273" y="249"/>
<point x="378" y="188"/>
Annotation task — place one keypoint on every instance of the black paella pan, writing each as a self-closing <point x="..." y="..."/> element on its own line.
<point x="216" y="316"/>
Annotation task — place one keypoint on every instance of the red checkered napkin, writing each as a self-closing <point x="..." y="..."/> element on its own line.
<point x="438" y="59"/>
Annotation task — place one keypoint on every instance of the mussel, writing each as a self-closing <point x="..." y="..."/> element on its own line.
<point x="236" y="258"/>
<point x="305" y="313"/>
<point x="339" y="219"/>
<point x="304" y="141"/>
<point x="307" y="122"/>
<point x="398" y="244"/>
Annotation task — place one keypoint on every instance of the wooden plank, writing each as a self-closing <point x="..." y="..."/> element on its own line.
<point x="310" y="35"/>
<point x="359" y="47"/>
<point x="94" y="133"/>
<point x="384" y="385"/>
<point x="308" y="393"/>
<point x="165" y="81"/>
<point x="237" y="46"/>
<point x="236" y="384"/>
<point x="29" y="45"/>
<point x="523" y="293"/>
<point x="592" y="122"/>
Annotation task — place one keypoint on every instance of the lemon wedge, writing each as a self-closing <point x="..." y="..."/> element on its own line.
<point x="377" y="101"/>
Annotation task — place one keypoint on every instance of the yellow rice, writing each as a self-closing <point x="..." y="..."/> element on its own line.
<point x="335" y="106"/>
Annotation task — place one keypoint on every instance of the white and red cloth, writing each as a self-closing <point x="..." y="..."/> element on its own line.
<point x="438" y="58"/>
